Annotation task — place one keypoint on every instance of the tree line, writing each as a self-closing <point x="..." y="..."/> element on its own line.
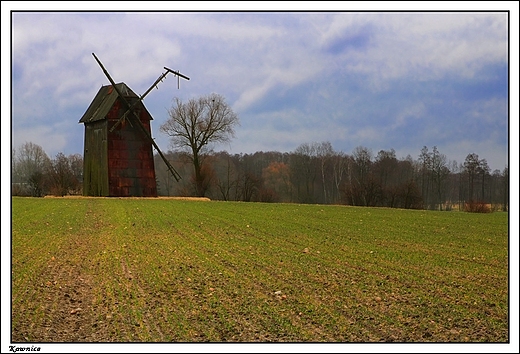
<point x="312" y="173"/>
<point x="316" y="173"/>
<point x="33" y="173"/>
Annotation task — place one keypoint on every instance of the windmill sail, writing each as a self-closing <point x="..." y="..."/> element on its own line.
<point x="135" y="118"/>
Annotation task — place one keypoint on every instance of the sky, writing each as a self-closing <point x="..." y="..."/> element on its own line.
<point x="382" y="80"/>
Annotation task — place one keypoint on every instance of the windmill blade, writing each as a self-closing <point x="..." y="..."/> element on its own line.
<point x="175" y="174"/>
<point x="177" y="73"/>
<point x="139" y="100"/>
<point x="159" y="79"/>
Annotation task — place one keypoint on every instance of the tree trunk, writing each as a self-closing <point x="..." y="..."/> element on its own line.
<point x="199" y="179"/>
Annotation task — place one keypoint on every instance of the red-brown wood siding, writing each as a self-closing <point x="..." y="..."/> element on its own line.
<point x="131" y="169"/>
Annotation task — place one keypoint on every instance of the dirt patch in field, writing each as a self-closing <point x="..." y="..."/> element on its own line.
<point x="64" y="299"/>
<point x="201" y="199"/>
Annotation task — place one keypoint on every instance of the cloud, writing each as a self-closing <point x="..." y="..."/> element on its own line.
<point x="391" y="80"/>
<point x="407" y="113"/>
<point x="495" y="155"/>
<point x="427" y="46"/>
<point x="357" y="39"/>
<point x="53" y="139"/>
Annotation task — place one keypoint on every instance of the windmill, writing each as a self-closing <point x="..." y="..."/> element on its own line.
<point x="118" y="159"/>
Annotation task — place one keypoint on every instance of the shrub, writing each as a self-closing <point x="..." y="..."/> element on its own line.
<point x="475" y="206"/>
<point x="267" y="195"/>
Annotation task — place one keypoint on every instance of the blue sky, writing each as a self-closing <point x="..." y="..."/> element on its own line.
<point x="382" y="80"/>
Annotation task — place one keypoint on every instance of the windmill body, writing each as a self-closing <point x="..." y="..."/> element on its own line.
<point x="118" y="157"/>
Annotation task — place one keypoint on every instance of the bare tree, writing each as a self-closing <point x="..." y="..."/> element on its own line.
<point x="324" y="153"/>
<point x="29" y="167"/>
<point x="194" y="125"/>
<point x="471" y="167"/>
<point x="363" y="186"/>
<point x="483" y="169"/>
<point x="340" y="170"/>
<point x="425" y="160"/>
<point x="58" y="175"/>
<point x="304" y="171"/>
<point x="226" y="175"/>
<point x="505" y="188"/>
<point x="76" y="166"/>
<point x="385" y="172"/>
<point x="439" y="173"/>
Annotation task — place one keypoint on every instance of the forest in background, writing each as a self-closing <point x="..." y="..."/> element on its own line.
<point x="314" y="173"/>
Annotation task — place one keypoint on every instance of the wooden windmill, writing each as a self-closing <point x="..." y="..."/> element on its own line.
<point x="118" y="157"/>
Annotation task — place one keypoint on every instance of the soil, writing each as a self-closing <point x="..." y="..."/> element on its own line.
<point x="68" y="314"/>
<point x="202" y="199"/>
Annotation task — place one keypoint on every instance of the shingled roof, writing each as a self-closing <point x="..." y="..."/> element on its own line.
<point x="104" y="100"/>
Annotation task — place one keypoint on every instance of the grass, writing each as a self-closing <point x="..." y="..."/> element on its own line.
<point x="159" y="270"/>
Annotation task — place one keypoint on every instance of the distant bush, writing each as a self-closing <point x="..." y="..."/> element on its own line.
<point x="475" y="206"/>
<point x="267" y="195"/>
<point x="20" y="189"/>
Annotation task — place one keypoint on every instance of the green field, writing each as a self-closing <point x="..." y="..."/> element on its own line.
<point x="161" y="270"/>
